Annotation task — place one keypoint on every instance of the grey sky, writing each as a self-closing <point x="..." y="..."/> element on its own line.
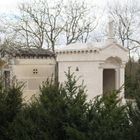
<point x="8" y="6"/>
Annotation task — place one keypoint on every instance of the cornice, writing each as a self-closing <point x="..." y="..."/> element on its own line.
<point x="78" y="51"/>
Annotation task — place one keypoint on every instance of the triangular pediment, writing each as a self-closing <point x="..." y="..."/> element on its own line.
<point x="115" y="47"/>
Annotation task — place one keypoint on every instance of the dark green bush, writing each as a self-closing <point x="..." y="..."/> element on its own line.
<point x="63" y="113"/>
<point x="10" y="106"/>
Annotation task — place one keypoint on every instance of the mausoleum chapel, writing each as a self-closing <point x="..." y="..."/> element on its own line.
<point x="101" y="65"/>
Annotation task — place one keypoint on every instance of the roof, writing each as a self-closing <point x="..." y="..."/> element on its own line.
<point x="81" y="46"/>
<point x="27" y="52"/>
<point x="88" y="47"/>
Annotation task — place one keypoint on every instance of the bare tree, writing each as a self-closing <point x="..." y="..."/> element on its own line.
<point x="126" y="17"/>
<point x="80" y="22"/>
<point x="44" y="24"/>
<point x="126" y="21"/>
<point x="39" y="23"/>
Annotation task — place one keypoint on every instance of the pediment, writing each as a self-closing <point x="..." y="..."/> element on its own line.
<point x="115" y="47"/>
<point x="114" y="50"/>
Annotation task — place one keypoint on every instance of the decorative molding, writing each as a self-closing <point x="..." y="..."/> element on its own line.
<point x="79" y="51"/>
<point x="115" y="44"/>
<point x="111" y="62"/>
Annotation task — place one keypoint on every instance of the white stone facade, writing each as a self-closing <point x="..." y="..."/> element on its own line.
<point x="31" y="70"/>
<point x="101" y="66"/>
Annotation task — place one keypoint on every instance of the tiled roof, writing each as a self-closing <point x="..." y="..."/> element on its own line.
<point x="27" y="52"/>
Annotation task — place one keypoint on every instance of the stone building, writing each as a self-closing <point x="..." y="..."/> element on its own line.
<point x="101" y="65"/>
<point x="30" y="66"/>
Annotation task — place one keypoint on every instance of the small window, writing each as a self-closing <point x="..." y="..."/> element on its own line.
<point x="35" y="71"/>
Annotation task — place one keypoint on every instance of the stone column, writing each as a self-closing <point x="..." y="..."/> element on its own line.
<point x="101" y="79"/>
<point x="117" y="78"/>
<point x="122" y="78"/>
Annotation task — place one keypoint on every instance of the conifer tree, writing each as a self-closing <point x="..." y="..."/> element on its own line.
<point x="62" y="112"/>
<point x="10" y="106"/>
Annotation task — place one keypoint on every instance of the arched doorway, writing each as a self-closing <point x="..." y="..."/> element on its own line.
<point x="111" y="74"/>
<point x="109" y="80"/>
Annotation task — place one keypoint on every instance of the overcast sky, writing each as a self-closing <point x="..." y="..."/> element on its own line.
<point x="8" y="6"/>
